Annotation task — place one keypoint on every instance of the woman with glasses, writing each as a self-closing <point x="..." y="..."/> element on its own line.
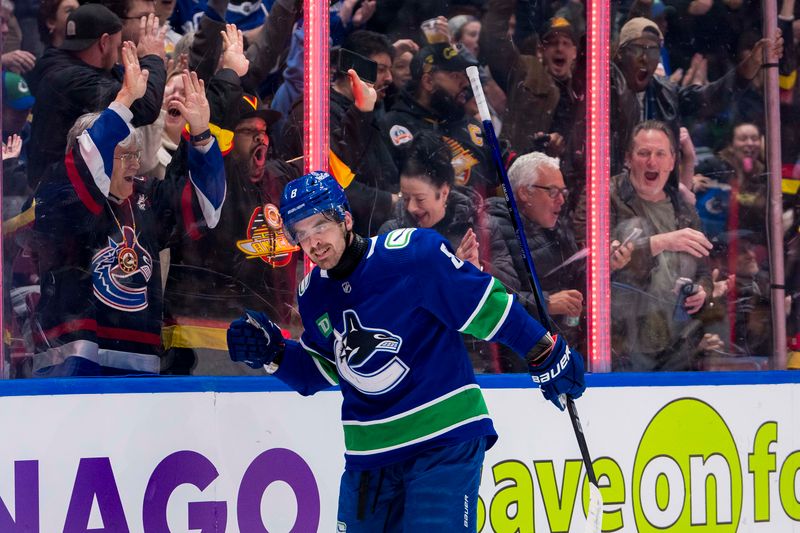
<point x="99" y="228"/>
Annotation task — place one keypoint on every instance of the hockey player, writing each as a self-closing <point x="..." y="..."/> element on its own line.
<point x="382" y="319"/>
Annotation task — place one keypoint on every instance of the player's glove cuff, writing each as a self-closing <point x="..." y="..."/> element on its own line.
<point x="556" y="368"/>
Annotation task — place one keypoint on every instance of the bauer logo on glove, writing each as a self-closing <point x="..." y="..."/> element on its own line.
<point x="556" y="368"/>
<point x="555" y="371"/>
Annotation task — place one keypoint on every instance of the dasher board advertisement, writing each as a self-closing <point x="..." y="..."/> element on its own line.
<point x="673" y="452"/>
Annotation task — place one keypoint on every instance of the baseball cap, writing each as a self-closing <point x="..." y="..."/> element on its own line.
<point x="16" y="93"/>
<point x="87" y="24"/>
<point x="639" y="27"/>
<point x="558" y="25"/>
<point x="439" y="56"/>
<point x="251" y="106"/>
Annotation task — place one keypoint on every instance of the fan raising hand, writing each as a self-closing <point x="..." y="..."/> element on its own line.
<point x="233" y="50"/>
<point x="12" y="147"/>
<point x="134" y="83"/>
<point x="194" y="105"/>
<point x="363" y="93"/>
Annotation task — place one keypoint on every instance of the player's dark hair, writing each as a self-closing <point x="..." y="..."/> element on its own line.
<point x="429" y="157"/>
<point x="333" y="216"/>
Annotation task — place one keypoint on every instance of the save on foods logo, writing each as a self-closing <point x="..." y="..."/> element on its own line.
<point x="687" y="475"/>
<point x="687" y="471"/>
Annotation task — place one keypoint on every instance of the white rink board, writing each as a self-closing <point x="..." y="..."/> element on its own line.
<point x="158" y="458"/>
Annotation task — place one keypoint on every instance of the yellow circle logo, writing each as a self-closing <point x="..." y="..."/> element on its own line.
<point x="449" y="52"/>
<point x="687" y="473"/>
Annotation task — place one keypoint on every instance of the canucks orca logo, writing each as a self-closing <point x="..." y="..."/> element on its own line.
<point x="120" y="273"/>
<point x="358" y="347"/>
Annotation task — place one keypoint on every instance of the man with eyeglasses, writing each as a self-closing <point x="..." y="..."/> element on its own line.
<point x="131" y="12"/>
<point x="637" y="94"/>
<point x="541" y="196"/>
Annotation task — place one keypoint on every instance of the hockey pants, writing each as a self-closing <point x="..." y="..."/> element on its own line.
<point x="435" y="491"/>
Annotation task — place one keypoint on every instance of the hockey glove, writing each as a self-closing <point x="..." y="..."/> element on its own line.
<point x="255" y="340"/>
<point x="557" y="369"/>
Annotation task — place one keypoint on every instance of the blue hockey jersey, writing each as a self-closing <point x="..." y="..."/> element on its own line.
<point x="390" y="335"/>
<point x="245" y="14"/>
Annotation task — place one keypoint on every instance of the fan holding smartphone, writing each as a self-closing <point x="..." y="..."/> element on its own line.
<point x="366" y="68"/>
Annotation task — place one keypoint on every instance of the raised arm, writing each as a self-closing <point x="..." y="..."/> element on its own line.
<point x="271" y="43"/>
<point x="206" y="170"/>
<point x="150" y="52"/>
<point x="90" y="160"/>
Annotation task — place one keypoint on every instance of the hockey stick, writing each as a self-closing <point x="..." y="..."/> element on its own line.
<point x="594" y="516"/>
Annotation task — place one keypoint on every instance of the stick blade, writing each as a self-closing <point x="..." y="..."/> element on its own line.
<point x="594" y="516"/>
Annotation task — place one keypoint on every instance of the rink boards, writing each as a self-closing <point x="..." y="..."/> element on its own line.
<point x="675" y="452"/>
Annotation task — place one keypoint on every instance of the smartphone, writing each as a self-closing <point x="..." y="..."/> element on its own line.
<point x="366" y="68"/>
<point x="635" y="233"/>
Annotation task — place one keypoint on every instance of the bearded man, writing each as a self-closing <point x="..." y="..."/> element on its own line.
<point x="434" y="99"/>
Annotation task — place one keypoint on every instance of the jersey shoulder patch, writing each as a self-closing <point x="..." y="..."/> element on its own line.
<point x="400" y="135"/>
<point x="306" y="281"/>
<point x="398" y="238"/>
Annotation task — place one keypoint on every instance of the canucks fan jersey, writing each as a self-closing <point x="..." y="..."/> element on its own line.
<point x="101" y="279"/>
<point x="389" y="335"/>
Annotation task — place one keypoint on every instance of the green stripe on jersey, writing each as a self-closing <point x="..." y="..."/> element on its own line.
<point x="490" y="313"/>
<point x="325" y="367"/>
<point x="420" y="424"/>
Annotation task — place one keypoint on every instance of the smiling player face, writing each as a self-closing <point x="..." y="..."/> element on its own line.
<point x="323" y="240"/>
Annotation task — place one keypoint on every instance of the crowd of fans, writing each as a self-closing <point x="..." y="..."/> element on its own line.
<point x="147" y="144"/>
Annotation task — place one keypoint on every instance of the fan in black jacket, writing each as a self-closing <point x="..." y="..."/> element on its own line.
<point x="246" y="261"/>
<point x="82" y="77"/>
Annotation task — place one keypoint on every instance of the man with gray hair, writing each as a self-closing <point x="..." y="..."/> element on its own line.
<point x="541" y="195"/>
<point x="99" y="229"/>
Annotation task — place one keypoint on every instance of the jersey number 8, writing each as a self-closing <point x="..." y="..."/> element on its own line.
<point x="458" y="263"/>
